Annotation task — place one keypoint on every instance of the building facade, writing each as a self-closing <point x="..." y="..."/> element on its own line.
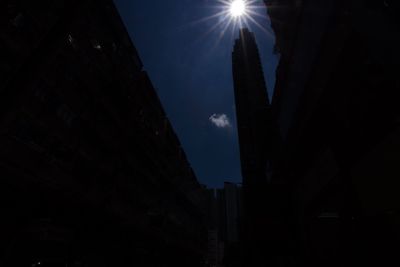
<point x="265" y="199"/>
<point x="92" y="171"/>
<point x="252" y="107"/>
<point x="225" y="209"/>
<point x="335" y="103"/>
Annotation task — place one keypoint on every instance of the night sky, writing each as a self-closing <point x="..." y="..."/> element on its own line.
<point x="190" y="67"/>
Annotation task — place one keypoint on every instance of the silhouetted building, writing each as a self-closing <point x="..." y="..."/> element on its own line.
<point x="92" y="173"/>
<point x="264" y="198"/>
<point x="336" y="104"/>
<point x="215" y="244"/>
<point x="225" y="210"/>
<point x="229" y="222"/>
<point x="229" y="209"/>
<point x="252" y="107"/>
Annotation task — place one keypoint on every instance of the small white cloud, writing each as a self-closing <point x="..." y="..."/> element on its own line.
<point x="220" y="120"/>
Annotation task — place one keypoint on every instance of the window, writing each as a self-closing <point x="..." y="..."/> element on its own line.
<point x="96" y="45"/>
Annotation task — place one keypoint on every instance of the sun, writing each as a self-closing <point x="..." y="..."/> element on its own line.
<point x="231" y="15"/>
<point x="238" y="8"/>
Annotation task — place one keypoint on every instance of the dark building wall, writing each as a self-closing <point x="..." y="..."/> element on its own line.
<point x="229" y="212"/>
<point x="87" y="154"/>
<point x="264" y="198"/>
<point x="229" y="223"/>
<point x="252" y="106"/>
<point x="336" y="104"/>
<point x="213" y="255"/>
<point x="232" y="203"/>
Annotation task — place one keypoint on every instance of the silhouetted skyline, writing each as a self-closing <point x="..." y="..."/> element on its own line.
<point x="190" y="65"/>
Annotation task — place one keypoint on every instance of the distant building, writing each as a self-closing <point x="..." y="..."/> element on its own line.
<point x="92" y="173"/>
<point x="225" y="211"/>
<point x="262" y="197"/>
<point x="252" y="108"/>
<point x="214" y="252"/>
<point x="229" y="212"/>
<point x="229" y="223"/>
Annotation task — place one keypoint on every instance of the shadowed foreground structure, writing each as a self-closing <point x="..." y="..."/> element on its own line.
<point x="262" y="221"/>
<point x="337" y="111"/>
<point x="92" y="173"/>
<point x="321" y="166"/>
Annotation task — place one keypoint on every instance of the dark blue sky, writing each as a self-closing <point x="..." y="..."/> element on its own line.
<point x="191" y="69"/>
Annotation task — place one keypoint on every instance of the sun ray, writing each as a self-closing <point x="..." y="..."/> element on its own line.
<point x="234" y="14"/>
<point x="225" y="2"/>
<point x="254" y="13"/>
<point x="213" y="28"/>
<point x="260" y="26"/>
<point x="234" y="26"/>
<point x="208" y="18"/>
<point x="221" y="35"/>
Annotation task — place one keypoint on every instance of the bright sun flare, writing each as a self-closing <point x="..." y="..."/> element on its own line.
<point x="238" y="8"/>
<point x="231" y="15"/>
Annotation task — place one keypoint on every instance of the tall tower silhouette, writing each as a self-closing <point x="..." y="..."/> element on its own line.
<point x="254" y="129"/>
<point x="252" y="110"/>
